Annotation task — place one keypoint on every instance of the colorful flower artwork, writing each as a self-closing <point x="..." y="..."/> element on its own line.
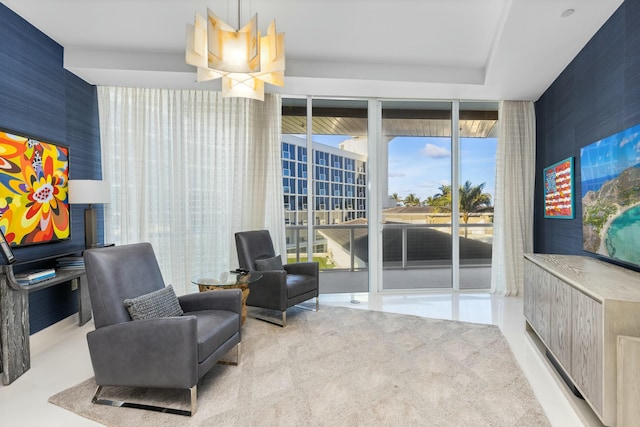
<point x="34" y="205"/>
<point x="558" y="190"/>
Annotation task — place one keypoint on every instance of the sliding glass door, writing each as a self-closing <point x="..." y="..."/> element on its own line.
<point x="416" y="214"/>
<point x="325" y="165"/>
<point x="478" y="144"/>
<point x="369" y="192"/>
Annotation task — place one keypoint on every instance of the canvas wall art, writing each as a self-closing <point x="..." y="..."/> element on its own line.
<point x="558" y="190"/>
<point x="34" y="175"/>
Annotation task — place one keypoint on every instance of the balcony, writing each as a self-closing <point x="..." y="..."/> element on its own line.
<point x="415" y="256"/>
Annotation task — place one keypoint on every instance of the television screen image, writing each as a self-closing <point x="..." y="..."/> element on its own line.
<point x="610" y="170"/>
<point x="34" y="175"/>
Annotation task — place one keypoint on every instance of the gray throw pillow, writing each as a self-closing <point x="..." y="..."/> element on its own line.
<point x="160" y="303"/>
<point x="269" y="264"/>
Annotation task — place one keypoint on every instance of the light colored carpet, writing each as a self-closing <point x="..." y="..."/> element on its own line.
<point x="345" y="367"/>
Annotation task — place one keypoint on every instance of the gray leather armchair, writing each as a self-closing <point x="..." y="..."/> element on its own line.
<point x="167" y="352"/>
<point x="278" y="289"/>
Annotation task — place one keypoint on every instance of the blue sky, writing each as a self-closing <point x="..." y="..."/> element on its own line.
<point x="609" y="156"/>
<point x="420" y="165"/>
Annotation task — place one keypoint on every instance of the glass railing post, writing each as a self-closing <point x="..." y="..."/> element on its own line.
<point x="351" y="251"/>
<point x="404" y="247"/>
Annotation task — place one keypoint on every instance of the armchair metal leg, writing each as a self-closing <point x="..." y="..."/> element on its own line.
<point x="280" y="317"/>
<point x="236" y="362"/>
<point x="193" y="394"/>
<point x="193" y="391"/>
<point x="280" y="322"/>
<point x="307" y="307"/>
<point x="275" y="317"/>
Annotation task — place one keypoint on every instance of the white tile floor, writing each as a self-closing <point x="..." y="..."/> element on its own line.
<point x="60" y="357"/>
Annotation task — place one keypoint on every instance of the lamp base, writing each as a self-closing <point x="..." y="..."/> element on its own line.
<point x="90" y="227"/>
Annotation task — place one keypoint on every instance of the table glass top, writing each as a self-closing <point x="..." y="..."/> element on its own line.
<point x="224" y="278"/>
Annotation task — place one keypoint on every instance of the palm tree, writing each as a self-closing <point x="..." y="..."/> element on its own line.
<point x="411" y="200"/>
<point x="396" y="198"/>
<point x="471" y="200"/>
<point x="441" y="200"/>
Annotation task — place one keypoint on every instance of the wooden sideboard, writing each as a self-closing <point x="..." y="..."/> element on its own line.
<point x="15" y="354"/>
<point x="578" y="306"/>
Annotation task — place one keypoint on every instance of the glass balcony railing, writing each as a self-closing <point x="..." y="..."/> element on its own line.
<point x="345" y="247"/>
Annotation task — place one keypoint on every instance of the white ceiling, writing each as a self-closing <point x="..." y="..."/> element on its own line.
<point x="434" y="49"/>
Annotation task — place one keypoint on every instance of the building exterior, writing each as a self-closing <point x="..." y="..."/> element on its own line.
<point x="339" y="182"/>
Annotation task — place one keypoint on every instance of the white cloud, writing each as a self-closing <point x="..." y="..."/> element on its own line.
<point x="628" y="140"/>
<point x="397" y="175"/>
<point x="435" y="152"/>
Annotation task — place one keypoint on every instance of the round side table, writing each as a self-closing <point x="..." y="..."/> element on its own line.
<point x="208" y="282"/>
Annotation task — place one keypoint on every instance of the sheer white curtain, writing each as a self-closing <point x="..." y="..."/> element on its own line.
<point x="513" y="210"/>
<point x="187" y="170"/>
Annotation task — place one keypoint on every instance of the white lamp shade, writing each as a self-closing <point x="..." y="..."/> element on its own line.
<point x="88" y="191"/>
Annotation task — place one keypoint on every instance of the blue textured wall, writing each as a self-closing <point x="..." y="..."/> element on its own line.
<point x="597" y="95"/>
<point x="39" y="98"/>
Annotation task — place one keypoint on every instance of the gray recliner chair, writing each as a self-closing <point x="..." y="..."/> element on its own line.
<point x="161" y="352"/>
<point x="279" y="288"/>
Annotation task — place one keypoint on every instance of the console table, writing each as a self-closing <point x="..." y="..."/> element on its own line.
<point x="578" y="306"/>
<point x="14" y="316"/>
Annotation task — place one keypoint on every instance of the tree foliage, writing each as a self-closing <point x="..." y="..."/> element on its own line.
<point x="411" y="200"/>
<point x="471" y="199"/>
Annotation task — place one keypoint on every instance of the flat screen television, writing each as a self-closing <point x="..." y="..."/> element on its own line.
<point x="610" y="170"/>
<point x="34" y="176"/>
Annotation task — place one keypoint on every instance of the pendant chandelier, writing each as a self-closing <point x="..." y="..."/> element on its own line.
<point x="242" y="58"/>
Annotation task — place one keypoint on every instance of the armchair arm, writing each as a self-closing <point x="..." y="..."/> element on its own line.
<point x="270" y="291"/>
<point x="308" y="268"/>
<point x="146" y="353"/>
<point x="224" y="299"/>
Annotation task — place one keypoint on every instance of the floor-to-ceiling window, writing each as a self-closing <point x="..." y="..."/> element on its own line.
<point x="425" y="241"/>
<point x="324" y="160"/>
<point x="296" y="179"/>
<point x="478" y="143"/>
<point x="416" y="237"/>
